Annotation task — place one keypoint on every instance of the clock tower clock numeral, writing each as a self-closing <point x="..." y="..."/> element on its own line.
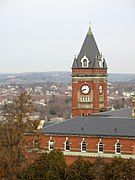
<point x="85" y="99"/>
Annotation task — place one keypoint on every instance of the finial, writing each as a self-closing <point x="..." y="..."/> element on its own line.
<point x="89" y="31"/>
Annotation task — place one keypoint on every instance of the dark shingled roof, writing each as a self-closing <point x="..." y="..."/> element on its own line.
<point x="125" y="112"/>
<point x="91" y="51"/>
<point x="94" y="126"/>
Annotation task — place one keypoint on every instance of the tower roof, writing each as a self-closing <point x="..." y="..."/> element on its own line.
<point x="91" y="52"/>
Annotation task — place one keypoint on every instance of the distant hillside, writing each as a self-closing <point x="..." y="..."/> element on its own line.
<point x="116" y="77"/>
<point x="58" y="77"/>
<point x="35" y="77"/>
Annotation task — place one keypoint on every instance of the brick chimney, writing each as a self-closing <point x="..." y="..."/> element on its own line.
<point x="133" y="106"/>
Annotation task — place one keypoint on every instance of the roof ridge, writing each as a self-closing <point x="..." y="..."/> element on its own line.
<point x="58" y="123"/>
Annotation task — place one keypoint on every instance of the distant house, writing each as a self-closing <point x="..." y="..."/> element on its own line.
<point x="128" y="94"/>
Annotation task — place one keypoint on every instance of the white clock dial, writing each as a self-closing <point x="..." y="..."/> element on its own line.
<point x="85" y="89"/>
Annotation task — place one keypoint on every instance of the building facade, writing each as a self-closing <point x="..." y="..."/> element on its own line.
<point x="89" y="137"/>
<point x="107" y="134"/>
<point x="89" y="79"/>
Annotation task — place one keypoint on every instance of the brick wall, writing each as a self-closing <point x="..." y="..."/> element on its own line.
<point x="127" y="144"/>
<point x="93" y="83"/>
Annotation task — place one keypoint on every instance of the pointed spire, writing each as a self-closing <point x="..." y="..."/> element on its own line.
<point x="91" y="51"/>
<point x="89" y="31"/>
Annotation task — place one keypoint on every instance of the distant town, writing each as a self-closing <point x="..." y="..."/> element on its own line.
<point x="51" y="92"/>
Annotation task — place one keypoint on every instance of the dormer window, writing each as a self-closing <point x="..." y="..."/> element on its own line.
<point x="100" y="60"/>
<point x="85" y="62"/>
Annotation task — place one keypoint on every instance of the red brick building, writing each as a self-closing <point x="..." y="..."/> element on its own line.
<point x="90" y="135"/>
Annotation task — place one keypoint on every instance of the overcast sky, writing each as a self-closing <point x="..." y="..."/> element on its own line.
<point x="44" y="35"/>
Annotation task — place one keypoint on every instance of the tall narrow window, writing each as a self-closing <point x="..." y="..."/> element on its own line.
<point x="83" y="114"/>
<point x="100" y="89"/>
<point x="36" y="143"/>
<point x="101" y="60"/>
<point x="51" y="144"/>
<point x="100" y="147"/>
<point x="118" y="147"/>
<point x="83" y="146"/>
<point x="67" y="145"/>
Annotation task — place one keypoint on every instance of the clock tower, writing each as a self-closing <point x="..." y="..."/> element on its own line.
<point x="89" y="79"/>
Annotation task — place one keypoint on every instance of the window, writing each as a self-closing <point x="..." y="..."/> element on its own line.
<point x="100" y="147"/>
<point x="100" y="60"/>
<point x="100" y="89"/>
<point x="51" y="144"/>
<point x="85" y="62"/>
<point x="118" y="147"/>
<point x="83" y="146"/>
<point x="100" y="63"/>
<point x="82" y="114"/>
<point x="67" y="145"/>
<point x="36" y="143"/>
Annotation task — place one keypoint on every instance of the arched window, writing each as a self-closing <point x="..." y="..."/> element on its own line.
<point x="100" y="147"/>
<point x="83" y="146"/>
<point x="100" y="89"/>
<point x="100" y="63"/>
<point x="36" y="143"/>
<point x="51" y="144"/>
<point x="82" y="113"/>
<point x="118" y="147"/>
<point x="67" y="145"/>
<point x="85" y="62"/>
<point x="101" y="60"/>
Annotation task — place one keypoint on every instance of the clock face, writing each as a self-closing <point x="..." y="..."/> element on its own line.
<point x="85" y="89"/>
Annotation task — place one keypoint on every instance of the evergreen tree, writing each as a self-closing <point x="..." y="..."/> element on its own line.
<point x="120" y="169"/>
<point x="47" y="167"/>
<point x="13" y="126"/>
<point x="80" y="170"/>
